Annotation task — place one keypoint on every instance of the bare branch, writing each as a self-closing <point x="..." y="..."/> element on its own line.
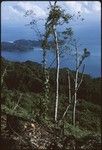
<point x="81" y="77"/>
<point x="64" y="113"/>
<point x="54" y="60"/>
<point x="2" y="77"/>
<point x="37" y="31"/>
<point x="50" y="3"/>
<point x="69" y="87"/>
<point x="55" y="3"/>
<point x="17" y="102"/>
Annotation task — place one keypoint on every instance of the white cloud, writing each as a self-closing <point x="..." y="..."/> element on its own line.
<point x="31" y="6"/>
<point x="74" y="6"/>
<point x="9" y="13"/>
<point x="83" y="6"/>
<point x="85" y="2"/>
<point x="14" y="11"/>
<point x="96" y="6"/>
<point x="18" y="9"/>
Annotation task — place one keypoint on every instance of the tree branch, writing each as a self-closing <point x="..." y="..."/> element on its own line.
<point x="2" y="77"/>
<point x="17" y="102"/>
<point x="64" y="113"/>
<point x="69" y="83"/>
<point x="81" y="76"/>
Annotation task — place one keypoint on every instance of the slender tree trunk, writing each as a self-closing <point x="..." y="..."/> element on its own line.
<point x="69" y="84"/>
<point x="46" y="79"/>
<point x="57" y="73"/>
<point x="75" y="98"/>
<point x="3" y="75"/>
<point x="76" y="85"/>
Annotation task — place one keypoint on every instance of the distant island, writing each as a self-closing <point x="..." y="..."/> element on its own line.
<point x="23" y="45"/>
<point x="20" y="45"/>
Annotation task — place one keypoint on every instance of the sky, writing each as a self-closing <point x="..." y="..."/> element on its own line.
<point x="13" y="22"/>
<point x="87" y="32"/>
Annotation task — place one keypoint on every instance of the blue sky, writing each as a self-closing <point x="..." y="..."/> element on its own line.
<point x="13" y="21"/>
<point x="88" y="32"/>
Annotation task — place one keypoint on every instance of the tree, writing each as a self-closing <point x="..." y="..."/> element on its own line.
<point x="77" y="80"/>
<point x="44" y="45"/>
<point x="79" y="61"/>
<point x="56" y="17"/>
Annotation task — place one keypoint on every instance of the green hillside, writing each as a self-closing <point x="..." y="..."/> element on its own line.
<point x="22" y="96"/>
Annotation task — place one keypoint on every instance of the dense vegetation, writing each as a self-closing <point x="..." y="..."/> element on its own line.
<point x="26" y="79"/>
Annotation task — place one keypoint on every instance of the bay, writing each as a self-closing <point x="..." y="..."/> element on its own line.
<point x="92" y="63"/>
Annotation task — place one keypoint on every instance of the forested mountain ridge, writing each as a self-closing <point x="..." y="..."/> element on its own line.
<point x="20" y="45"/>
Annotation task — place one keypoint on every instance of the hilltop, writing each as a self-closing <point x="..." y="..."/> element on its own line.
<point x="20" y="45"/>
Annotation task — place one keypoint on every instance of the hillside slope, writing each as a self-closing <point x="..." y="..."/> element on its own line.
<point x="25" y="122"/>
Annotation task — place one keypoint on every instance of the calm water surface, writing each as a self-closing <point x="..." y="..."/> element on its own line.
<point x="93" y="63"/>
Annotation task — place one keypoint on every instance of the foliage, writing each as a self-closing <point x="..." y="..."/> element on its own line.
<point x="28" y="77"/>
<point x="33" y="105"/>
